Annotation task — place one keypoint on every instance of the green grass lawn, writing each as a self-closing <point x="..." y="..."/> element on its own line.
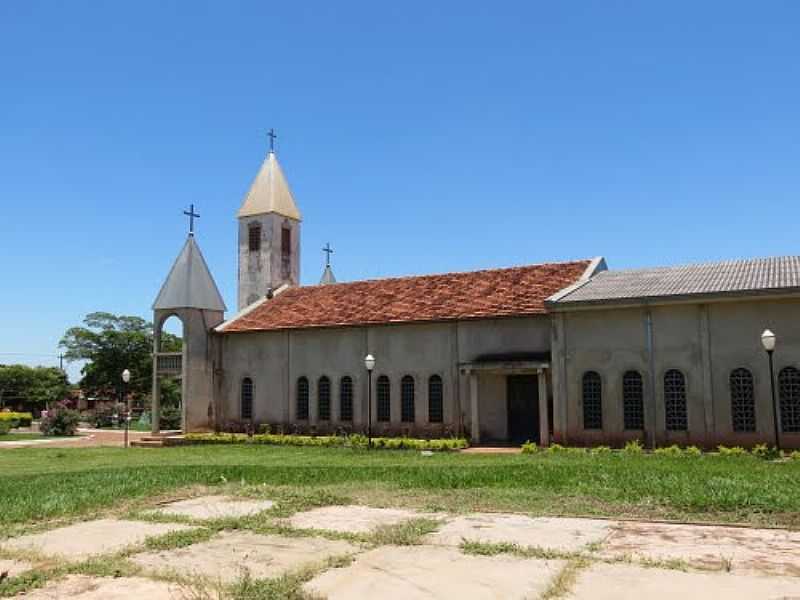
<point x="37" y="484"/>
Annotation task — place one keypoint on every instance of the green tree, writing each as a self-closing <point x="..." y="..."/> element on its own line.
<point x="35" y="386"/>
<point x="110" y="344"/>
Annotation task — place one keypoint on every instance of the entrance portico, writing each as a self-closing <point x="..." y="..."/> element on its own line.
<point x="519" y="398"/>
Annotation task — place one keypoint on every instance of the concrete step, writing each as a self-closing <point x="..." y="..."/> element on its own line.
<point x="147" y="443"/>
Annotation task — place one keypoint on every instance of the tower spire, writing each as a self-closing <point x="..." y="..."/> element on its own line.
<point x="327" y="274"/>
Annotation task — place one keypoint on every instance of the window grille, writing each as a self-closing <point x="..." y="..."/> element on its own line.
<point x="324" y="399"/>
<point x="302" y="399"/>
<point x="743" y="404"/>
<point x="435" y="399"/>
<point x="346" y="399"/>
<point x="383" y="394"/>
<point x="254" y="238"/>
<point x="633" y="400"/>
<point x="789" y="399"/>
<point x="407" y="399"/>
<point x="592" y="401"/>
<point x="675" y="412"/>
<point x="246" y="407"/>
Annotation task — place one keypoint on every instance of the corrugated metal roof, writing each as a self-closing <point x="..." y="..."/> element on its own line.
<point x="269" y="192"/>
<point x="758" y="275"/>
<point x="189" y="283"/>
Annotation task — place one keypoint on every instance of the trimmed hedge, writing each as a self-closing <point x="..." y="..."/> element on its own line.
<point x="17" y="419"/>
<point x="349" y="441"/>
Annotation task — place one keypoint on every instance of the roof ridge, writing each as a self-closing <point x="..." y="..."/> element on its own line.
<point x="708" y="263"/>
<point x="446" y="273"/>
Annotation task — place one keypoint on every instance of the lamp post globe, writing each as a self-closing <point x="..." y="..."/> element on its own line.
<point x="768" y="340"/>
<point x="126" y="376"/>
<point x="369" y="364"/>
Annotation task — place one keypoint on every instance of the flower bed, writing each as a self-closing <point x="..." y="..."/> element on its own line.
<point x="345" y="441"/>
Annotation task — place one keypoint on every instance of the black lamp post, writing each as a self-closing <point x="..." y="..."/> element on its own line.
<point x="126" y="377"/>
<point x="369" y="363"/>
<point x="768" y="341"/>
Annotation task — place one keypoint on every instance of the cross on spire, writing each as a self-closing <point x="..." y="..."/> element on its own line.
<point x="328" y="250"/>
<point x="192" y="216"/>
<point x="272" y="135"/>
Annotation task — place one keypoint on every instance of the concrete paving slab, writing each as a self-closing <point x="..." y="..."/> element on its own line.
<point x="553" y="533"/>
<point x="230" y="555"/>
<point x="745" y="549"/>
<point x="629" y="582"/>
<point x="427" y="572"/>
<point x="352" y="519"/>
<point x="12" y="568"/>
<point x="79" y="541"/>
<point x="214" y="507"/>
<point x="81" y="587"/>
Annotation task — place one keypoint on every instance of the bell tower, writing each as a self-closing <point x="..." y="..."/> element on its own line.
<point x="269" y="234"/>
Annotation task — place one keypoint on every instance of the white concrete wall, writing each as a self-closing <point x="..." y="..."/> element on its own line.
<point x="275" y="361"/>
<point x="704" y="341"/>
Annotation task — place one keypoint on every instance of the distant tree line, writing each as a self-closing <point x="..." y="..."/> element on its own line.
<point x="30" y="388"/>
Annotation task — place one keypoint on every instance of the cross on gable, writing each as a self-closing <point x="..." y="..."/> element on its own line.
<point x="272" y="135"/>
<point x="192" y="216"/>
<point x="328" y="250"/>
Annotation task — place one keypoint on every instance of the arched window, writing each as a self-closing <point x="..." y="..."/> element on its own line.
<point x="743" y="403"/>
<point x="592" y="401"/>
<point x="789" y="394"/>
<point x="384" y="399"/>
<point x="346" y="399"/>
<point x="435" y="399"/>
<point x="246" y="399"/>
<point x="254" y="237"/>
<point x="675" y="413"/>
<point x="407" y="399"/>
<point x="324" y="398"/>
<point x="633" y="400"/>
<point x="302" y="399"/>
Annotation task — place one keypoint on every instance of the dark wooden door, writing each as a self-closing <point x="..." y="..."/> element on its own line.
<point x="523" y="408"/>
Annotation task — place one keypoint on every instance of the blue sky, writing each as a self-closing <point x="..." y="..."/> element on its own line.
<point x="417" y="136"/>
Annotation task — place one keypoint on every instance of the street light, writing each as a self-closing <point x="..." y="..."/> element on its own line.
<point x="126" y="377"/>
<point x="369" y="363"/>
<point x="768" y="341"/>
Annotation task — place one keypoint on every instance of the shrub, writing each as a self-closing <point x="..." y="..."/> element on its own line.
<point x="351" y="441"/>
<point x="530" y="448"/>
<point x="5" y="427"/>
<point x="673" y="450"/>
<point x="795" y="455"/>
<point x="765" y="452"/>
<point x="171" y="417"/>
<point x="60" y="421"/>
<point x="104" y="417"/>
<point x="692" y="451"/>
<point x="600" y="450"/>
<point x="555" y="449"/>
<point x="16" y="419"/>
<point x="734" y="451"/>
<point x="633" y="447"/>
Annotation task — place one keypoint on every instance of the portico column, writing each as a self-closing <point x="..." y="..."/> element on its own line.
<point x="473" y="400"/>
<point x="544" y="419"/>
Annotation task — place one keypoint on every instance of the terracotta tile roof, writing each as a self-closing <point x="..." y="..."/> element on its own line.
<point x="516" y="291"/>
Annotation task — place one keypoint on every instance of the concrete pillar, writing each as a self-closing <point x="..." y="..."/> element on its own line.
<point x="155" y="404"/>
<point x="473" y="399"/>
<point x="708" y="391"/>
<point x="544" y="427"/>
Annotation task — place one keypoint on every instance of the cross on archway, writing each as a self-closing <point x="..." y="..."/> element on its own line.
<point x="328" y="251"/>
<point x="272" y="135"/>
<point x="192" y="216"/>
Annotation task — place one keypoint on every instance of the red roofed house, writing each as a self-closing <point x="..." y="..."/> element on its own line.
<point x="567" y="351"/>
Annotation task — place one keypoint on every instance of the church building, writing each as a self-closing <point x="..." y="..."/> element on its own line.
<point x="567" y="352"/>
